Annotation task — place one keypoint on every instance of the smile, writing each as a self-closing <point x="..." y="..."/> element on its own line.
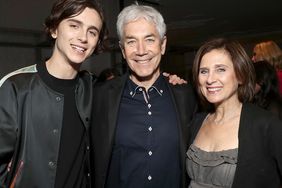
<point x="78" y="48"/>
<point x="214" y="89"/>
<point x="143" y="61"/>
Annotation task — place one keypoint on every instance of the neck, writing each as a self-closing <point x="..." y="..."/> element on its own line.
<point x="145" y="82"/>
<point x="61" y="70"/>
<point x="226" y="113"/>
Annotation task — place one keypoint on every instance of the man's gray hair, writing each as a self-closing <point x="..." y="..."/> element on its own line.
<point x="135" y="12"/>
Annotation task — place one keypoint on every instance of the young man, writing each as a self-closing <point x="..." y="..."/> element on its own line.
<point x="140" y="120"/>
<point x="45" y="108"/>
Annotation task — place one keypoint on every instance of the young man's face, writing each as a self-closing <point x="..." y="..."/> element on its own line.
<point x="76" y="37"/>
<point x="142" y="48"/>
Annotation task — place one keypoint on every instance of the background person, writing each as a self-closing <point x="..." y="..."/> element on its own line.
<point x="270" y="52"/>
<point x="267" y="93"/>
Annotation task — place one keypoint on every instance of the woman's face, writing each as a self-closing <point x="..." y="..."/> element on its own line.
<point x="217" y="79"/>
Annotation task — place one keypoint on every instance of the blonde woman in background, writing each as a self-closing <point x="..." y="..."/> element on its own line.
<point x="270" y="52"/>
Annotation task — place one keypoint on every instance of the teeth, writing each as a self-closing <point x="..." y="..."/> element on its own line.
<point x="79" y="48"/>
<point x="213" y="89"/>
<point x="142" y="61"/>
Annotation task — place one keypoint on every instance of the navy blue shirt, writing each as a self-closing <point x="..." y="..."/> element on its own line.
<point x="146" y="150"/>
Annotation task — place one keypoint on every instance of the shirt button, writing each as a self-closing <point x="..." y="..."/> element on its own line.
<point x="150" y="153"/>
<point x="149" y="178"/>
<point x="55" y="131"/>
<point x="87" y="147"/>
<point x="161" y="91"/>
<point x="140" y="89"/>
<point x="88" y="174"/>
<point x="150" y="129"/>
<point x="52" y="164"/>
<point x="58" y="99"/>
<point x="149" y="105"/>
<point x="150" y="113"/>
<point x="131" y="93"/>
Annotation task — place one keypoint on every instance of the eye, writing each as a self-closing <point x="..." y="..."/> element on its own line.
<point x="93" y="33"/>
<point x="130" y="42"/>
<point x="220" y="70"/>
<point x="203" y="71"/>
<point x="150" y="40"/>
<point x="74" y="26"/>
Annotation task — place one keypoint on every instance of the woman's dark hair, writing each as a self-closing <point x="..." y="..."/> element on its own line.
<point x="63" y="9"/>
<point x="267" y="79"/>
<point x="242" y="64"/>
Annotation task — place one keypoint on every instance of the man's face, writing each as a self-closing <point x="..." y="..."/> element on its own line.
<point x="76" y="37"/>
<point x="142" y="48"/>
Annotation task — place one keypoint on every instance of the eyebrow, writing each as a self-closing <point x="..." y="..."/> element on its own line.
<point x="220" y="65"/>
<point x="81" y="23"/>
<point x="216" y="66"/>
<point x="147" y="36"/>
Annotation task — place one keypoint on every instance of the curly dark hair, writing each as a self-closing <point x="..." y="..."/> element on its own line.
<point x="63" y="9"/>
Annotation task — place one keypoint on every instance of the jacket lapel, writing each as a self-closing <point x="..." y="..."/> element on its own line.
<point x="177" y="97"/>
<point x="115" y="94"/>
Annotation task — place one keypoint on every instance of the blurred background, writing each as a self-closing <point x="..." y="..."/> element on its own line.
<point x="189" y="24"/>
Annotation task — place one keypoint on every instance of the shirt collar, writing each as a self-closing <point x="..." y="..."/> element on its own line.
<point x="158" y="86"/>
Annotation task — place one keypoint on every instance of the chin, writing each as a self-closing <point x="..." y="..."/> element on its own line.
<point x="146" y="76"/>
<point x="78" y="60"/>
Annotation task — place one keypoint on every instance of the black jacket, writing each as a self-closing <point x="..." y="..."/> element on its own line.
<point x="30" y="127"/>
<point x="106" y="103"/>
<point x="259" y="163"/>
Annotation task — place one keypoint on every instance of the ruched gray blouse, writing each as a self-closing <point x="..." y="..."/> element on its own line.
<point x="211" y="169"/>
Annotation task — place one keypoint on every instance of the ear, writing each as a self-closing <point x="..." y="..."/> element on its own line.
<point x="122" y="48"/>
<point x="163" y="45"/>
<point x="239" y="82"/>
<point x="54" y="34"/>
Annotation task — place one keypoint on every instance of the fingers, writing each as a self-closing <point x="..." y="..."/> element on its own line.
<point x="174" y="80"/>
<point x="166" y="74"/>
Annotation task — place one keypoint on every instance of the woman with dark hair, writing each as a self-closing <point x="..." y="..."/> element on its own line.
<point x="267" y="93"/>
<point x="269" y="51"/>
<point x="234" y="143"/>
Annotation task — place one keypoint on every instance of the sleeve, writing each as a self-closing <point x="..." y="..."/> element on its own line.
<point x="275" y="136"/>
<point x="8" y="127"/>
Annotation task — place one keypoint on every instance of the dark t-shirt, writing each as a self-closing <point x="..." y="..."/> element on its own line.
<point x="71" y="161"/>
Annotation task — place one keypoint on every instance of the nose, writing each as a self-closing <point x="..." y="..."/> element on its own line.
<point x="141" y="48"/>
<point x="211" y="78"/>
<point x="82" y="36"/>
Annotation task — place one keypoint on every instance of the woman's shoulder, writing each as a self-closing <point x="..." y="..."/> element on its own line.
<point x="258" y="115"/>
<point x="253" y="109"/>
<point x="275" y="107"/>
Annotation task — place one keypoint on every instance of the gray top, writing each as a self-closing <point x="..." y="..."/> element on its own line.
<point x="211" y="169"/>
